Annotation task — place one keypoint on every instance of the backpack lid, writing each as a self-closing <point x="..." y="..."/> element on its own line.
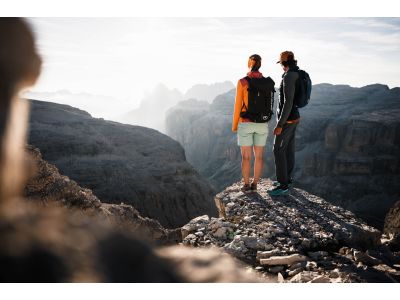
<point x="263" y="83"/>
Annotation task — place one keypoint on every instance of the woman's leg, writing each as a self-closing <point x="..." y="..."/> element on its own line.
<point x="246" y="163"/>
<point x="258" y="162"/>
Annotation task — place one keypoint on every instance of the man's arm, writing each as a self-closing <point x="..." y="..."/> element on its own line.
<point x="289" y="85"/>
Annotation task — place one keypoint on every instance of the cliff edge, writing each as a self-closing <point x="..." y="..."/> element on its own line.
<point x="298" y="238"/>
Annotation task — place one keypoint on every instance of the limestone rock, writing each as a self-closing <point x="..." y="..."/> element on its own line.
<point x="392" y="220"/>
<point x="298" y="265"/>
<point x="254" y="243"/>
<point x="266" y="254"/>
<point x="236" y="247"/>
<point x="278" y="234"/>
<point x="280" y="278"/>
<point x="295" y="271"/>
<point x="311" y="265"/>
<point x="194" y="225"/>
<point x="318" y="254"/>
<point x="276" y="269"/>
<point x="220" y="232"/>
<point x="321" y="279"/>
<point x="304" y="276"/>
<point x="283" y="260"/>
<point x="47" y="185"/>
<point x="360" y="256"/>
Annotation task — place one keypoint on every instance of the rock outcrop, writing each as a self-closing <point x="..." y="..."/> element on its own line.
<point x="296" y="238"/>
<point x="48" y="188"/>
<point x="347" y="145"/>
<point x="392" y="227"/>
<point x="121" y="163"/>
<point x="392" y="220"/>
<point x="63" y="233"/>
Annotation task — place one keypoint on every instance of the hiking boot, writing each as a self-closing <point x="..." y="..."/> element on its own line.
<point x="280" y="190"/>
<point x="276" y="183"/>
<point x="253" y="186"/>
<point x="246" y="188"/>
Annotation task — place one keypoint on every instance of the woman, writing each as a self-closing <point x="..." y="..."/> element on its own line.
<point x="252" y="136"/>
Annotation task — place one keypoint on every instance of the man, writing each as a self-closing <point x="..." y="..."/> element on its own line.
<point x="287" y="119"/>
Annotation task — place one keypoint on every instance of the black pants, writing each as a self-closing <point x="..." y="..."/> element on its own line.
<point x="284" y="151"/>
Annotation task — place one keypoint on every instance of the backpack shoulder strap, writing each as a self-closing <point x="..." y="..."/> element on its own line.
<point x="247" y="78"/>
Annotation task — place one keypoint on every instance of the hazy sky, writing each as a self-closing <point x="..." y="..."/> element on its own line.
<point x="123" y="57"/>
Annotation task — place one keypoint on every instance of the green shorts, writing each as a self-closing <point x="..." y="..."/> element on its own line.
<point x="252" y="134"/>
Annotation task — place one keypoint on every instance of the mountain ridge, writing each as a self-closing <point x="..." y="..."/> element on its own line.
<point x="121" y="163"/>
<point x="335" y="128"/>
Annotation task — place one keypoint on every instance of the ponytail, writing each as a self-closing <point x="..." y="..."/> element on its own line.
<point x="257" y="64"/>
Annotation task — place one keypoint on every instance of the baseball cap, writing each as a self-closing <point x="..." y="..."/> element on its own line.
<point x="285" y="56"/>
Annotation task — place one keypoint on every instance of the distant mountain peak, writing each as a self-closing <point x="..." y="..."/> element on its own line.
<point x="208" y="92"/>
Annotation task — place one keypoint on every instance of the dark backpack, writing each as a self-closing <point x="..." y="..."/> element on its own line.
<point x="303" y="89"/>
<point x="261" y="99"/>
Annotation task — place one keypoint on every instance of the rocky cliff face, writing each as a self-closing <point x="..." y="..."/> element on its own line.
<point x="205" y="133"/>
<point x="121" y="163"/>
<point x="48" y="187"/>
<point x="296" y="238"/>
<point x="360" y="158"/>
<point x="346" y="146"/>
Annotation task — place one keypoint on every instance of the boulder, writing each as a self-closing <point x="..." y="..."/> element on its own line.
<point x="267" y="254"/>
<point x="305" y="276"/>
<point x="363" y="257"/>
<point x="321" y="279"/>
<point x="194" y="225"/>
<point x="392" y="220"/>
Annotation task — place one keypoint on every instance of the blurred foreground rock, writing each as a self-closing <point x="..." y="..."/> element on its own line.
<point x="63" y="233"/>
